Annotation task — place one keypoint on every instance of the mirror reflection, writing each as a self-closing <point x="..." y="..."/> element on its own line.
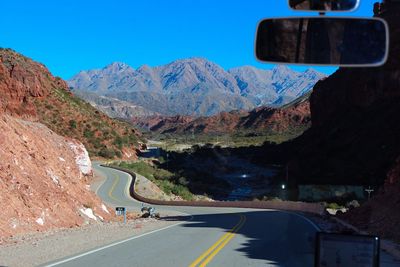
<point x="318" y="40"/>
<point x="324" y="5"/>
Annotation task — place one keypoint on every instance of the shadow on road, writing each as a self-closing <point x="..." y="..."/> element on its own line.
<point x="278" y="238"/>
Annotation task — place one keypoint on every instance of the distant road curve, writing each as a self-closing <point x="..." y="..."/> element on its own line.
<point x="202" y="236"/>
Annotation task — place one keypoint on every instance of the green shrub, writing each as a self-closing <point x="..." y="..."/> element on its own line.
<point x="88" y="133"/>
<point x="333" y="205"/>
<point x="107" y="153"/>
<point x="118" y="154"/>
<point x="72" y="124"/>
<point x="118" y="141"/>
<point x="162" y="178"/>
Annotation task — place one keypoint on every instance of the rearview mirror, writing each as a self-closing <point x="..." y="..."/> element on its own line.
<point x="324" y="5"/>
<point x="323" y="41"/>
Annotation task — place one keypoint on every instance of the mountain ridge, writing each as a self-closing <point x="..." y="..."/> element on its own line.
<point x="292" y="119"/>
<point x="196" y="86"/>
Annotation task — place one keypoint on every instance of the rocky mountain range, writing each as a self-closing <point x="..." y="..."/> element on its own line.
<point x="192" y="86"/>
<point x="292" y="118"/>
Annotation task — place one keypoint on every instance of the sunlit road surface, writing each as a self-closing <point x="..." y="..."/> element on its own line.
<point x="203" y="236"/>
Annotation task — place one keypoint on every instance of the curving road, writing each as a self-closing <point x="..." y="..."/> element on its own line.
<point x="203" y="236"/>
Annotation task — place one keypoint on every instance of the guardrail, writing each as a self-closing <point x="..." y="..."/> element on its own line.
<point x="278" y="205"/>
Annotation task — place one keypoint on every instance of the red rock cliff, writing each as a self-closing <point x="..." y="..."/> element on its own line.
<point x="20" y="80"/>
<point x="43" y="182"/>
<point x="355" y="121"/>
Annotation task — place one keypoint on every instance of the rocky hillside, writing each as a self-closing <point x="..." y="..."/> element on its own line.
<point x="113" y="107"/>
<point x="294" y="117"/>
<point x="31" y="91"/>
<point x="354" y="137"/>
<point x="44" y="175"/>
<point x="195" y="86"/>
<point x="379" y="215"/>
<point x="355" y="122"/>
<point x="43" y="183"/>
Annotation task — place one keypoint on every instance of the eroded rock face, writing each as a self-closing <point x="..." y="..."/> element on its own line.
<point x="379" y="215"/>
<point x="355" y="122"/>
<point x="43" y="176"/>
<point x="20" y="80"/>
<point x="360" y="87"/>
<point x="42" y="185"/>
<point x="257" y="120"/>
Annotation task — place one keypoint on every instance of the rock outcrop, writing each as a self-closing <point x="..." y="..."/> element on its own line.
<point x="20" y="81"/>
<point x="44" y="176"/>
<point x="28" y="90"/>
<point x="259" y="120"/>
<point x="379" y="215"/>
<point x="42" y="184"/>
<point x="355" y="122"/>
<point x="354" y="137"/>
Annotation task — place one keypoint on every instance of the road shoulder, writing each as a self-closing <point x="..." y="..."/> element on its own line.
<point x="39" y="248"/>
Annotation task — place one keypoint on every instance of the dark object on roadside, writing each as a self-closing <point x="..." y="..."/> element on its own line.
<point x="324" y="5"/>
<point x="332" y="249"/>
<point x="149" y="212"/>
<point x="324" y="41"/>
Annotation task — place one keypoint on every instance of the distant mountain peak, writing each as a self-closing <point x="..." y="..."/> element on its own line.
<point x="116" y="67"/>
<point x="281" y="68"/>
<point x="201" y="61"/>
<point x="197" y="86"/>
<point x="144" y="68"/>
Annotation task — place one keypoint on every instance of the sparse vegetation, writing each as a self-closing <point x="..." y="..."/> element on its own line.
<point x="333" y="205"/>
<point x="73" y="117"/>
<point x="238" y="139"/>
<point x="167" y="181"/>
<point x="72" y="124"/>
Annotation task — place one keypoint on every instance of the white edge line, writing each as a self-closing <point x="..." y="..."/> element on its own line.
<point x="114" y="244"/>
<point x="303" y="217"/>
<point x="118" y="242"/>
<point x="154" y="231"/>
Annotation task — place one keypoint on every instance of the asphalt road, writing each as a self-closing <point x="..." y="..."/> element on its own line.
<point x="203" y="236"/>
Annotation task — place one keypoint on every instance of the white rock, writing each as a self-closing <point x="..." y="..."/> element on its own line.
<point x="54" y="177"/>
<point x="14" y="223"/>
<point x="89" y="213"/>
<point x="334" y="211"/>
<point x="40" y="221"/>
<point x="61" y="159"/>
<point x="81" y="157"/>
<point x="104" y="208"/>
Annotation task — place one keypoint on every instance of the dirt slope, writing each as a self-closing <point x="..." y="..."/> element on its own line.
<point x="41" y="184"/>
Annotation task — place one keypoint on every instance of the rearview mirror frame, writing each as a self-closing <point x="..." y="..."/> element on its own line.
<point x="356" y="6"/>
<point x="377" y="64"/>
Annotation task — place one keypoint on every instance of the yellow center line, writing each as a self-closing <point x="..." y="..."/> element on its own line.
<point x="226" y="241"/>
<point x="210" y="253"/>
<point x="113" y="187"/>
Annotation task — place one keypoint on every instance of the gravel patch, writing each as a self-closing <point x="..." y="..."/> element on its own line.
<point x="39" y="248"/>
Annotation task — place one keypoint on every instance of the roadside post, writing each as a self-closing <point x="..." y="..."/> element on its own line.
<point x="369" y="190"/>
<point x="121" y="211"/>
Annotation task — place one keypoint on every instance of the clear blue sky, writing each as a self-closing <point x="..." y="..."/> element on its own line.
<point x="73" y="35"/>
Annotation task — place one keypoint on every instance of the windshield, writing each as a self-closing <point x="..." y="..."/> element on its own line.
<point x="152" y="133"/>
